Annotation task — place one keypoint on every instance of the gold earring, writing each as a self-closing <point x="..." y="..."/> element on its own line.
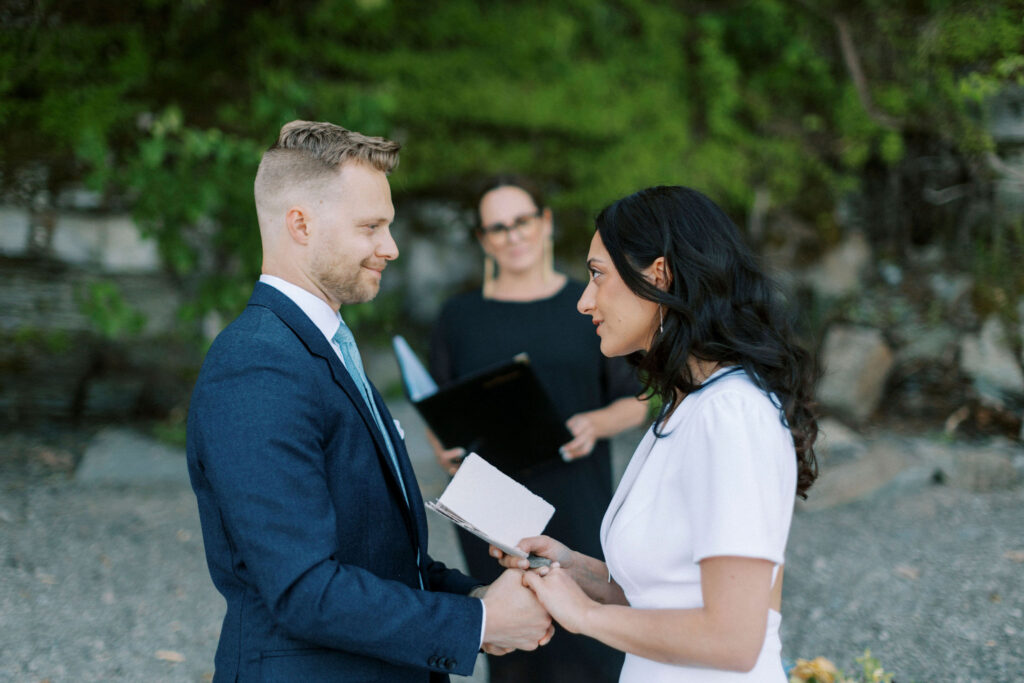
<point x="549" y="258"/>
<point x="489" y="268"/>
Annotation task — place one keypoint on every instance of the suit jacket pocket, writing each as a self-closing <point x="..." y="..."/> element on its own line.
<point x="315" y="665"/>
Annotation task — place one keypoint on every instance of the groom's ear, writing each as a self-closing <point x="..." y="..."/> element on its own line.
<point x="298" y="223"/>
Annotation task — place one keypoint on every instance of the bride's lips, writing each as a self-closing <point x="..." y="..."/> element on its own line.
<point x="597" y="324"/>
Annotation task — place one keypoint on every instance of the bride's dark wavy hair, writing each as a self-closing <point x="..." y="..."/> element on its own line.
<point x="720" y="307"/>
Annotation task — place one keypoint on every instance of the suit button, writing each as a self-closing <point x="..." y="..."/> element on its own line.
<point x="432" y="661"/>
<point x="449" y="663"/>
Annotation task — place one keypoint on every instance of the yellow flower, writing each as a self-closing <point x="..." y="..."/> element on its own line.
<point x="819" y="670"/>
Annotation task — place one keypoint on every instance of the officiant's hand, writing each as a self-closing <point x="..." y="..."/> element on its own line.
<point x="544" y="546"/>
<point x="584" y="429"/>
<point x="587" y="427"/>
<point x="448" y="458"/>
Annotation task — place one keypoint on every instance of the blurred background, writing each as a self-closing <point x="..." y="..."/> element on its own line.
<point x="873" y="152"/>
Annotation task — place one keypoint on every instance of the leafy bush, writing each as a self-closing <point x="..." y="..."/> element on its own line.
<point x="165" y="106"/>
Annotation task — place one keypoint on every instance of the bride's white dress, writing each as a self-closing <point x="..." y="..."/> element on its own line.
<point x="722" y="482"/>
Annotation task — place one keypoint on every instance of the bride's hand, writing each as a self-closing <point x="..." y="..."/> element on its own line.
<point x="544" y="546"/>
<point x="562" y="598"/>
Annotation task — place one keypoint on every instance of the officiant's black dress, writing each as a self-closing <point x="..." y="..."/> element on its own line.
<point x="474" y="333"/>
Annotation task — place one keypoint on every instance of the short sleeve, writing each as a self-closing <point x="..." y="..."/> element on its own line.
<point x="740" y="471"/>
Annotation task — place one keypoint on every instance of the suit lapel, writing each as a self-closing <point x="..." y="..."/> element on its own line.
<point x="268" y="297"/>
<point x="419" y="520"/>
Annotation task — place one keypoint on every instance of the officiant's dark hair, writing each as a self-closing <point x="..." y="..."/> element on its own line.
<point x="720" y="306"/>
<point x="511" y="180"/>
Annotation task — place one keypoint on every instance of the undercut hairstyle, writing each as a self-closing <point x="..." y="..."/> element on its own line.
<point x="308" y="154"/>
<point x="720" y="307"/>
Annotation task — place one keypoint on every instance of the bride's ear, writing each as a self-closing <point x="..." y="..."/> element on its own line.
<point x="659" y="274"/>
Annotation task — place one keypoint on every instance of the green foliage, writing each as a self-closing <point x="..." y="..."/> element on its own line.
<point x="167" y="105"/>
<point x="173" y="429"/>
<point x="193" y="193"/>
<point x="871" y="670"/>
<point x="822" y="670"/>
<point x="998" y="276"/>
<point x="53" y="342"/>
<point x="113" y="317"/>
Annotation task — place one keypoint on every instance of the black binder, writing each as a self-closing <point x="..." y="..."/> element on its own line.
<point x="501" y="413"/>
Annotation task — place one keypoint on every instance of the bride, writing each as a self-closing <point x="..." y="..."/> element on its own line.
<point x="695" y="535"/>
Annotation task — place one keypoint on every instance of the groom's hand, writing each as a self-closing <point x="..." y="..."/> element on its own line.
<point x="515" y="619"/>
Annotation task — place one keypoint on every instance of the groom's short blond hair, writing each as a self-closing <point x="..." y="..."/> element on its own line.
<point x="307" y="154"/>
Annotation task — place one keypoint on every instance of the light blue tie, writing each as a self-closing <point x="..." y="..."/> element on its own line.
<point x="354" y="365"/>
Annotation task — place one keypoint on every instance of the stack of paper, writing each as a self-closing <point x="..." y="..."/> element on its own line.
<point x="492" y="505"/>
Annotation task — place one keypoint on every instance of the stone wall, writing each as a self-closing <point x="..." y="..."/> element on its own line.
<point x="937" y="353"/>
<point x="1006" y="125"/>
<point x="54" y="362"/>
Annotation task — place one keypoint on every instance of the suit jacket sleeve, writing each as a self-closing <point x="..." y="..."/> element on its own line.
<point x="442" y="578"/>
<point x="261" y="445"/>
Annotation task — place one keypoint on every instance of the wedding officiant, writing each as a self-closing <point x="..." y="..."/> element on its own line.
<point x="526" y="305"/>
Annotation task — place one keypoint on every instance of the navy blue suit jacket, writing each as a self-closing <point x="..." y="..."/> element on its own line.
<point x="306" y="530"/>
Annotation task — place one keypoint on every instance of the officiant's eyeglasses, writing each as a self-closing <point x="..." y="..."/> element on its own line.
<point x="525" y="224"/>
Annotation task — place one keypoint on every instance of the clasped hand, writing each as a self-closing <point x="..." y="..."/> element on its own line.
<point x="515" y="618"/>
<point x="553" y="586"/>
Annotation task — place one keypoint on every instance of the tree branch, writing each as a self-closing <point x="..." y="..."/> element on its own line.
<point x="755" y="221"/>
<point x="946" y="194"/>
<point x="1002" y="168"/>
<point x="852" y="60"/>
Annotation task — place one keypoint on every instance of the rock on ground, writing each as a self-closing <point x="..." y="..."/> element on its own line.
<point x="857" y="361"/>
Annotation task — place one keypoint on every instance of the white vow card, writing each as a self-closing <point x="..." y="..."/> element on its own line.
<point x="493" y="506"/>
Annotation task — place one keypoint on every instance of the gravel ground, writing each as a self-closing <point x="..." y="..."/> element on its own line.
<point x="106" y="581"/>
<point x="105" y="584"/>
<point x="928" y="577"/>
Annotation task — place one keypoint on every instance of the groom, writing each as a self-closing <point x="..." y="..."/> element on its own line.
<point x="312" y="521"/>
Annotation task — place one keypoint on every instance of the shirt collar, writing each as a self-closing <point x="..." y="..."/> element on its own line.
<point x="316" y="309"/>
